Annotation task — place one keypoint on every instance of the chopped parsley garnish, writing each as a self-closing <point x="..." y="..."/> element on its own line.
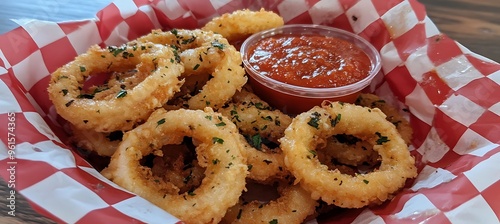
<point x="196" y="67"/>
<point x="366" y="181"/>
<point x="220" y="124"/>
<point x="260" y="106"/>
<point x="217" y="140"/>
<point x="86" y="96"/>
<point x="313" y="152"/>
<point x="268" y="118"/>
<point x="336" y="120"/>
<point x="190" y="40"/>
<point x="256" y="141"/>
<point x="218" y="44"/>
<point x="249" y="167"/>
<point x="274" y="221"/>
<point x="239" y="214"/>
<point x="174" y="32"/>
<point x="215" y="161"/>
<point x="126" y="55"/>
<point x="69" y="103"/>
<point x="160" y="122"/>
<point x="314" y="122"/>
<point x="65" y="92"/>
<point x="381" y="139"/>
<point x="121" y="94"/>
<point x="116" y="50"/>
<point x="177" y="56"/>
<point x="82" y="69"/>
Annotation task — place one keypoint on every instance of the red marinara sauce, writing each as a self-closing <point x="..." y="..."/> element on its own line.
<point x="310" y="60"/>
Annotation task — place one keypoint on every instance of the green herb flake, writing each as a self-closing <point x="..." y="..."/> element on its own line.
<point x="313" y="153"/>
<point x="69" y="103"/>
<point x="220" y="124"/>
<point x="217" y="140"/>
<point x="274" y="221"/>
<point x="190" y="40"/>
<point x="196" y="67"/>
<point x="381" y="139"/>
<point x="116" y="50"/>
<point x="256" y="141"/>
<point x="249" y="167"/>
<point x="260" y="106"/>
<point x="218" y="44"/>
<point x="215" y="161"/>
<point x="160" y="122"/>
<point x="268" y="118"/>
<point x="65" y="92"/>
<point x="177" y="56"/>
<point x="239" y="214"/>
<point x="366" y="181"/>
<point x="314" y="122"/>
<point x="82" y="69"/>
<point x="335" y="121"/>
<point x="121" y="94"/>
<point x="174" y="32"/>
<point x="86" y="96"/>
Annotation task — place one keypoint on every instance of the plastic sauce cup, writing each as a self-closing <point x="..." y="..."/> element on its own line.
<point x="294" y="99"/>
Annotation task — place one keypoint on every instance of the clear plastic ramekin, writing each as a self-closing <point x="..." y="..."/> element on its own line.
<point x="293" y="99"/>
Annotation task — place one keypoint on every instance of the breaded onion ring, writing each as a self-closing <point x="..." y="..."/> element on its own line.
<point x="393" y="115"/>
<point x="240" y="24"/>
<point x="202" y="53"/>
<point x="258" y="122"/>
<point x="333" y="187"/>
<point x="219" y="151"/>
<point x="126" y="107"/>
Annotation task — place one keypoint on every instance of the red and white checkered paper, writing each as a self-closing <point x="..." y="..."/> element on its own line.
<point x="452" y="95"/>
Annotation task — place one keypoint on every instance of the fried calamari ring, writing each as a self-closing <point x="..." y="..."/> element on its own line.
<point x="177" y="164"/>
<point x="299" y="146"/>
<point x="393" y="115"/>
<point x="104" y="144"/>
<point x="293" y="205"/>
<point x="219" y="152"/>
<point x="351" y="152"/>
<point x="126" y="107"/>
<point x="258" y="122"/>
<point x="354" y="152"/>
<point x="240" y="24"/>
<point x="202" y="53"/>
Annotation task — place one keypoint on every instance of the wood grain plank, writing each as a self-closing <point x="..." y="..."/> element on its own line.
<point x="474" y="24"/>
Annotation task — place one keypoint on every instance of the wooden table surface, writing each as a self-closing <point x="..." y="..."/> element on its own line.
<point x="473" y="23"/>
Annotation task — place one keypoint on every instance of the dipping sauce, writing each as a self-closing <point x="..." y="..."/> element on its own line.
<point x="298" y="66"/>
<point x="314" y="61"/>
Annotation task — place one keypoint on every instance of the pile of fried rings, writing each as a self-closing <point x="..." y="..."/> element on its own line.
<point x="172" y="112"/>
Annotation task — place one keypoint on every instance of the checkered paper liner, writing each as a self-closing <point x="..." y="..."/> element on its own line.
<point x="451" y="94"/>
